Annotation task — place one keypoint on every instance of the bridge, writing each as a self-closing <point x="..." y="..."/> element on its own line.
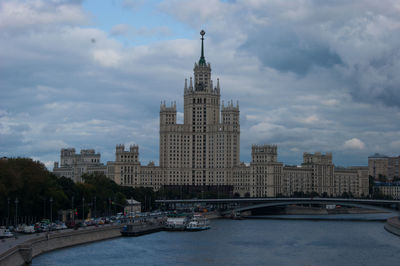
<point x="248" y="204"/>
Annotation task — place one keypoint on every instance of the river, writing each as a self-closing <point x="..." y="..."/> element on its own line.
<point x="244" y="242"/>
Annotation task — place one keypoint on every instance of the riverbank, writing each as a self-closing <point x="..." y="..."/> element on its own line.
<point x="21" y="250"/>
<point x="393" y="225"/>
<point x="302" y="210"/>
<point x="212" y="215"/>
<point x="323" y="217"/>
<point x="243" y="242"/>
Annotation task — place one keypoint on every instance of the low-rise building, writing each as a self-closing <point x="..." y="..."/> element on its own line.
<point x="388" y="189"/>
<point x="384" y="167"/>
<point x="74" y="165"/>
<point x="351" y="181"/>
<point x="318" y="174"/>
<point x="132" y="206"/>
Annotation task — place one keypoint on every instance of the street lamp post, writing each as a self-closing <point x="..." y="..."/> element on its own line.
<point x="8" y="210"/>
<point x="95" y="207"/>
<point x="115" y="200"/>
<point x="109" y="206"/>
<point x="51" y="209"/>
<point x="72" y="208"/>
<point x="44" y="207"/>
<point x="16" y="211"/>
<point x="83" y="208"/>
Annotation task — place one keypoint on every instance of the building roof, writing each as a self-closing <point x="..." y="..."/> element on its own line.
<point x="377" y="155"/>
<point x="386" y="184"/>
<point x="132" y="202"/>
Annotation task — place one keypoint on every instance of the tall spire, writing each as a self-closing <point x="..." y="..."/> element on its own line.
<point x="202" y="60"/>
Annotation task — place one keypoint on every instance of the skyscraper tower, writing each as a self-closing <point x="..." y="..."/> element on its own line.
<point x="205" y="148"/>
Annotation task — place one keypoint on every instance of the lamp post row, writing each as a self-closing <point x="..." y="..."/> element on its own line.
<point x="16" y="210"/>
<point x="51" y="208"/>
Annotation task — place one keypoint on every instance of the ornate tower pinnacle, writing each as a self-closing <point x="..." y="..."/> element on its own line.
<point x="202" y="60"/>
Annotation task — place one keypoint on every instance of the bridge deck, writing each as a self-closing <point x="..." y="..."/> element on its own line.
<point x="261" y="200"/>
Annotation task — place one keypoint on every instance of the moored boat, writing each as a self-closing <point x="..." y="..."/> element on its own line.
<point x="198" y="223"/>
<point x="138" y="230"/>
<point x="236" y="216"/>
<point x="176" y="223"/>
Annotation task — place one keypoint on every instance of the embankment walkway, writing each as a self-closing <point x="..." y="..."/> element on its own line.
<point x="21" y="250"/>
<point x="393" y="225"/>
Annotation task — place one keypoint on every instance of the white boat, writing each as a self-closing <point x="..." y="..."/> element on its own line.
<point x="176" y="223"/>
<point x="198" y="223"/>
<point x="5" y="233"/>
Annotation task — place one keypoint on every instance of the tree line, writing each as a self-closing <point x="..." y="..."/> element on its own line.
<point x="28" y="189"/>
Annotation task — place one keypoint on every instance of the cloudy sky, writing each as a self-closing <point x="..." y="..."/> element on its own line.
<point x="309" y="75"/>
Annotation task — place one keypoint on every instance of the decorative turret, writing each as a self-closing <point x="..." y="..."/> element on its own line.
<point x="202" y="70"/>
<point x="264" y="154"/>
<point x="230" y="114"/>
<point x="167" y="113"/>
<point x="185" y="85"/>
<point x="202" y="60"/>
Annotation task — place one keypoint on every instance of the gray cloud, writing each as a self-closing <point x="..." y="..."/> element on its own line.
<point x="280" y="48"/>
<point x="309" y="77"/>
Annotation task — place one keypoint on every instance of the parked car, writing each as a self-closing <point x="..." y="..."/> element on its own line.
<point x="29" y="229"/>
<point x="70" y="224"/>
<point x="5" y="233"/>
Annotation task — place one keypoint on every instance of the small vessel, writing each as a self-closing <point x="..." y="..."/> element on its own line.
<point x="176" y="223"/>
<point x="236" y="216"/>
<point x="132" y="229"/>
<point x="198" y="223"/>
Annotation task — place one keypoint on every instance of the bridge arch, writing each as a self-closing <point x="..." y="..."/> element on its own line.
<point x="273" y="204"/>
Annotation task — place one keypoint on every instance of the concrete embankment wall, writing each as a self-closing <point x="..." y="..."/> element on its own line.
<point x="22" y="254"/>
<point x="393" y="225"/>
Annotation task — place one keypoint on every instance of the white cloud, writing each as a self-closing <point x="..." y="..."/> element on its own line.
<point x="311" y="119"/>
<point x="107" y="58"/>
<point x="22" y="15"/>
<point x="330" y="102"/>
<point x="295" y="149"/>
<point x="354" y="144"/>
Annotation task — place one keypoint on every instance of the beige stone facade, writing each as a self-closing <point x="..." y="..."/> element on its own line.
<point x="392" y="190"/>
<point x="384" y="166"/>
<point x="351" y="181"/>
<point x="73" y="165"/>
<point x="205" y="148"/>
<point x="318" y="174"/>
<point x="394" y="167"/>
<point x="378" y="165"/>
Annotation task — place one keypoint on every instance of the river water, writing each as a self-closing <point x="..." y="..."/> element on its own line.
<point x="244" y="242"/>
